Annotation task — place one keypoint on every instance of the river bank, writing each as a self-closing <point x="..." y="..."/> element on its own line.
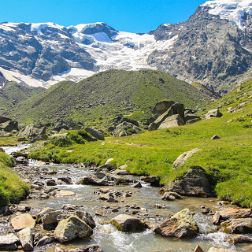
<point x="58" y="187"/>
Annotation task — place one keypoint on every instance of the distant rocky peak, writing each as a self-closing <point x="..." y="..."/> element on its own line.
<point x="94" y="29"/>
<point x="236" y="11"/>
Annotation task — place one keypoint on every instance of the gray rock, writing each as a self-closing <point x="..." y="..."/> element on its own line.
<point x="215" y="137"/>
<point x="45" y="240"/>
<point x="127" y="223"/>
<point x="9" y="242"/>
<point x="194" y="183"/>
<point x="170" y="196"/>
<point x="26" y="239"/>
<point x="180" y="225"/>
<point x="33" y="133"/>
<point x="72" y="228"/>
<point x="180" y="161"/>
<point x="213" y="113"/>
<point x="171" y="122"/>
<point x="98" y="134"/>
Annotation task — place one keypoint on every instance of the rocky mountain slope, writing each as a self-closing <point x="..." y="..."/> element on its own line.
<point x="98" y="99"/>
<point x="213" y="47"/>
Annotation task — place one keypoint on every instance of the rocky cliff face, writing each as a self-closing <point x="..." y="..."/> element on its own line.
<point x="207" y="49"/>
<point x="214" y="47"/>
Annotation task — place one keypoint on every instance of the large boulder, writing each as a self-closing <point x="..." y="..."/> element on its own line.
<point x="171" y="122"/>
<point x="72" y="228"/>
<point x="8" y="125"/>
<point x="175" y="109"/>
<point x="9" y="242"/>
<point x="194" y="183"/>
<point x="22" y="221"/>
<point x="98" y="134"/>
<point x="32" y="133"/>
<point x="238" y="226"/>
<point x="180" y="161"/>
<point x="50" y="219"/>
<point x="213" y="113"/>
<point x="162" y="107"/>
<point x="234" y="213"/>
<point x="180" y="225"/>
<point x="127" y="223"/>
<point x="26" y="239"/>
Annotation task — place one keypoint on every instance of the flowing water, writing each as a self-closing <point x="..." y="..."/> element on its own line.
<point x="146" y="198"/>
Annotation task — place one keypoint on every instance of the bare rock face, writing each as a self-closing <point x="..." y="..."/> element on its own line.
<point x="205" y="48"/>
<point x="180" y="225"/>
<point x="194" y="183"/>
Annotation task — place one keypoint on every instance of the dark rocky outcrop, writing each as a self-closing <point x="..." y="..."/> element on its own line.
<point x="98" y="134"/>
<point x="8" y="125"/>
<point x="194" y="182"/>
<point x="32" y="133"/>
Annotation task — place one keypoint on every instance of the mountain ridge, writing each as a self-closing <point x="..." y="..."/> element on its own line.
<point x="213" y="47"/>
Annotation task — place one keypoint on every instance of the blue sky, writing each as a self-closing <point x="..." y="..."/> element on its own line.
<point x="124" y="15"/>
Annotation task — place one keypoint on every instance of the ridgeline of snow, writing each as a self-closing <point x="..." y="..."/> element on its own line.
<point x="232" y="10"/>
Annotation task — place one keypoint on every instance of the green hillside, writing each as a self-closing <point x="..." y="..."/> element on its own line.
<point x="13" y="93"/>
<point x="228" y="160"/>
<point x="96" y="100"/>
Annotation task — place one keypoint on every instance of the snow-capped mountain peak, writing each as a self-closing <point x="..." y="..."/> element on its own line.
<point x="233" y="10"/>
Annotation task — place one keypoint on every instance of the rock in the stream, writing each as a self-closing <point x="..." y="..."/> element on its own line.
<point x="180" y="225"/>
<point x="194" y="183"/>
<point x="238" y="239"/>
<point x="180" y="161"/>
<point x="88" y="180"/>
<point x="22" y="160"/>
<point x="51" y="182"/>
<point x="169" y="196"/>
<point x="50" y="219"/>
<point x="86" y="217"/>
<point x="72" y="228"/>
<point x="153" y="181"/>
<point x="235" y="213"/>
<point x="9" y="242"/>
<point x="137" y="185"/>
<point x="22" y="221"/>
<point x="45" y="240"/>
<point x="26" y="239"/>
<point x="198" y="249"/>
<point x="238" y="226"/>
<point x="64" y="193"/>
<point x="221" y="250"/>
<point x="127" y="223"/>
<point x="66" y="180"/>
<point x="90" y="248"/>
